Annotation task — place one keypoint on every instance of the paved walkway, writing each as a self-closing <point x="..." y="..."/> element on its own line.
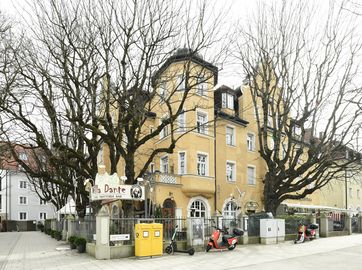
<point x="35" y="250"/>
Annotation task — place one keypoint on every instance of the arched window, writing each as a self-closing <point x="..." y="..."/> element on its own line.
<point x="197" y="209"/>
<point x="229" y="210"/>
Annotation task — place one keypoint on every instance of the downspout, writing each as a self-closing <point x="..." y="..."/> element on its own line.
<point x="215" y="193"/>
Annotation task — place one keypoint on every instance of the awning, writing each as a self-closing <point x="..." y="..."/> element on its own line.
<point x="316" y="207"/>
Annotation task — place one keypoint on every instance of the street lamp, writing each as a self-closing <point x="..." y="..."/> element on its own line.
<point x="146" y="182"/>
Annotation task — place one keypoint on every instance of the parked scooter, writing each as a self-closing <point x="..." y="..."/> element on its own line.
<point x="228" y="241"/>
<point x="172" y="247"/>
<point x="306" y="233"/>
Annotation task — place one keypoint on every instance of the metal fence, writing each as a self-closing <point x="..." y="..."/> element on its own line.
<point x="85" y="228"/>
<point x="292" y="222"/>
<point x="127" y="225"/>
<point x="336" y="224"/>
<point x="354" y="224"/>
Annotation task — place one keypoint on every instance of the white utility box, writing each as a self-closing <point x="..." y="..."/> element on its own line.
<point x="268" y="231"/>
<point x="280" y="230"/>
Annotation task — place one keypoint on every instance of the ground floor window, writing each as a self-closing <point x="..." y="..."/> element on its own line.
<point x="229" y="210"/>
<point x="198" y="209"/>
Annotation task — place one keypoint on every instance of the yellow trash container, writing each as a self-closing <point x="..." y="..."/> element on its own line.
<point x="157" y="239"/>
<point x="148" y="239"/>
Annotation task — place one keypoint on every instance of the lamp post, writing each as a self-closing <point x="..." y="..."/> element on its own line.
<point x="147" y="183"/>
<point x="346" y="188"/>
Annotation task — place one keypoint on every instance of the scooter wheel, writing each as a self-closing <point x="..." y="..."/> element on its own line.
<point x="168" y="250"/>
<point x="231" y="247"/>
<point x="191" y="251"/>
<point x="208" y="247"/>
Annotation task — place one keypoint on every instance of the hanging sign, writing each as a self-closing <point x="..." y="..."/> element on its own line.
<point x="108" y="187"/>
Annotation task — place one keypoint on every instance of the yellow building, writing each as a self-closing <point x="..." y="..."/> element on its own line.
<point x="216" y="166"/>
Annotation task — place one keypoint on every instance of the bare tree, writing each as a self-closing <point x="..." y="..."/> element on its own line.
<point x="90" y="74"/>
<point x="302" y="80"/>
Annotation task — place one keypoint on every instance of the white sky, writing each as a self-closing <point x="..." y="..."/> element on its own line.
<point x="239" y="10"/>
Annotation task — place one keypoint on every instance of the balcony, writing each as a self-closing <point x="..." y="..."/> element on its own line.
<point x="194" y="185"/>
<point x="167" y="178"/>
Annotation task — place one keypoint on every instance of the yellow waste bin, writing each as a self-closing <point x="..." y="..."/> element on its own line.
<point x="157" y="239"/>
<point x="148" y="239"/>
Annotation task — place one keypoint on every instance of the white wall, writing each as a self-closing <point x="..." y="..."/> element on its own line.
<point x="33" y="208"/>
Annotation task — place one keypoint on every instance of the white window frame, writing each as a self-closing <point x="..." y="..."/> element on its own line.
<point x="26" y="200"/>
<point x="165" y="131"/>
<point x="233" y="163"/>
<point x="41" y="215"/>
<point x="228" y="211"/>
<point x="181" y="125"/>
<point x="233" y="139"/>
<point x="200" y="212"/>
<point x="162" y="164"/>
<point x="179" y="163"/>
<point x="20" y="184"/>
<point x="358" y="194"/>
<point x="201" y="89"/>
<point x="227" y="101"/>
<point x="152" y="167"/>
<point x="26" y="215"/>
<point x="350" y="192"/>
<point x="42" y="202"/>
<point x="163" y="91"/>
<point x="180" y="82"/>
<point x="206" y="163"/>
<point x="251" y="143"/>
<point x="247" y="174"/>
<point x="202" y="128"/>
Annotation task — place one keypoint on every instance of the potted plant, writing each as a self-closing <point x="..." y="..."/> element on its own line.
<point x="71" y="241"/>
<point x="58" y="235"/>
<point x="81" y="243"/>
<point x="40" y="226"/>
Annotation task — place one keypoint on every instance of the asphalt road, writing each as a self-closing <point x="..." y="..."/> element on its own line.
<point x="35" y="250"/>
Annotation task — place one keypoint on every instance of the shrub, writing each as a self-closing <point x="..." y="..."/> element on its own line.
<point x="40" y="226"/>
<point x="71" y="241"/>
<point x="80" y="241"/>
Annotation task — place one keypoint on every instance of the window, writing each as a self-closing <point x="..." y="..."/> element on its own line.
<point x="284" y="150"/>
<point x="166" y="130"/>
<point x="230" y="171"/>
<point x="22" y="184"/>
<point x="164" y="164"/>
<point x="180" y="83"/>
<point x="151" y="130"/>
<point x="357" y="194"/>
<point x="42" y="202"/>
<point x="23" y="156"/>
<point x="42" y="215"/>
<point x="181" y="162"/>
<point x="198" y="209"/>
<point x="163" y="91"/>
<point x="227" y="101"/>
<point x="201" y="122"/>
<point x="181" y="121"/>
<point x="202" y="164"/>
<point x="350" y="192"/>
<point x="230" y="136"/>
<point x="22" y="216"/>
<point x="22" y="200"/>
<point x="251" y="175"/>
<point x="152" y="167"/>
<point x="201" y="87"/>
<point x="250" y="140"/>
<point x="229" y="210"/>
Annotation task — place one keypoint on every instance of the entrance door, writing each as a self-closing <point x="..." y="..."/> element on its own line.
<point x="168" y="209"/>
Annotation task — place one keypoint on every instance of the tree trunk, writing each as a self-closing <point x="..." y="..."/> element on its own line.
<point x="271" y="201"/>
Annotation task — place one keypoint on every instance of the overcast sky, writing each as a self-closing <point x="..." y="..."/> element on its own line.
<point x="238" y="10"/>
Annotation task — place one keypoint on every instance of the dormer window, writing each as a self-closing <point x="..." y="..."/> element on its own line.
<point x="227" y="101"/>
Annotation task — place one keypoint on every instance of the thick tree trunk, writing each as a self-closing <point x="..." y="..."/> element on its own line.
<point x="271" y="200"/>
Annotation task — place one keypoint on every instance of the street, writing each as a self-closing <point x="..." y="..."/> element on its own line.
<point x="35" y="250"/>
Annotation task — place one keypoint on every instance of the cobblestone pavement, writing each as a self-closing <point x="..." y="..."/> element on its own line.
<point x="35" y="250"/>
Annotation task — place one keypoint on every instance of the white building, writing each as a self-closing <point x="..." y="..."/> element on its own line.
<point x="18" y="201"/>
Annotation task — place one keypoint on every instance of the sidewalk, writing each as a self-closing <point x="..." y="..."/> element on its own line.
<point x="35" y="250"/>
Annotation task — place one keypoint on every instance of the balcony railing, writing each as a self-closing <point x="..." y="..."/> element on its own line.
<point x="166" y="178"/>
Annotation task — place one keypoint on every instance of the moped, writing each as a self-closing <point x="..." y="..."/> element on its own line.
<point x="306" y="233"/>
<point x="229" y="241"/>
